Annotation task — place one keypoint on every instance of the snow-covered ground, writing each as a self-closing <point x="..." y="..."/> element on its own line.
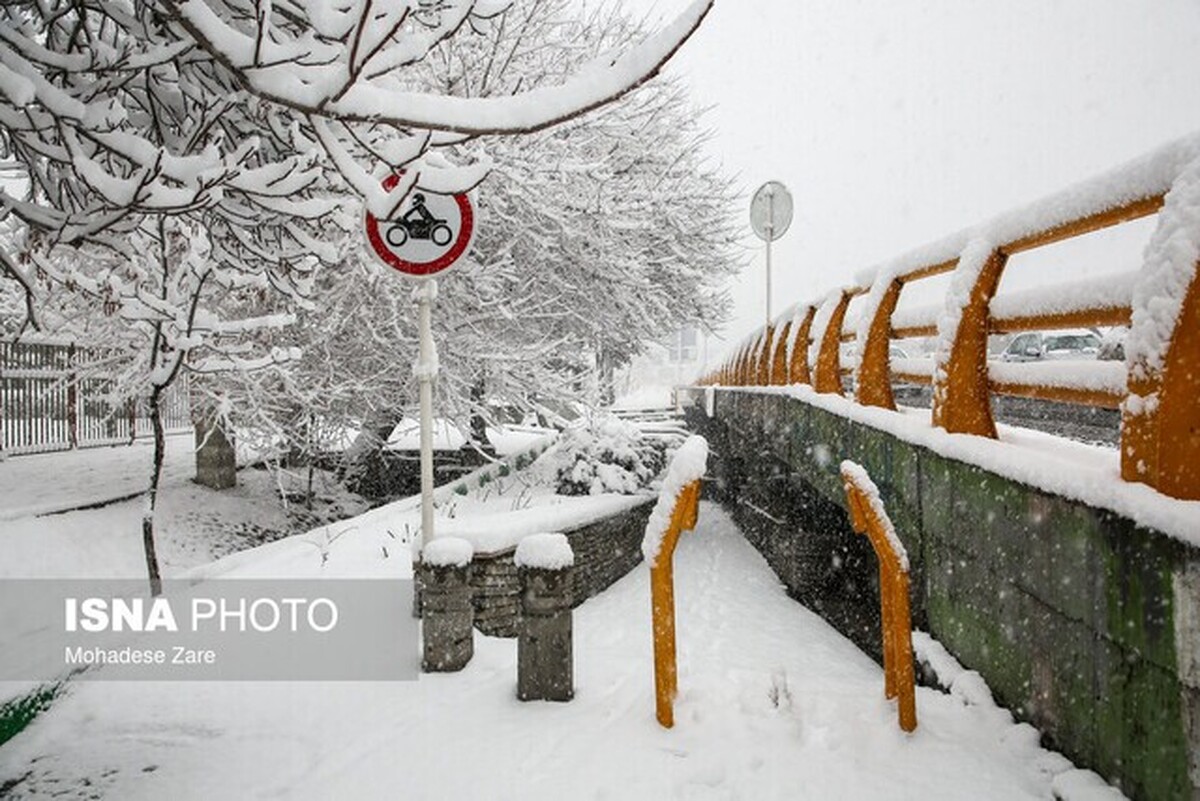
<point x="406" y="436"/>
<point x="49" y="482"/>
<point x="774" y="704"/>
<point x="194" y="525"/>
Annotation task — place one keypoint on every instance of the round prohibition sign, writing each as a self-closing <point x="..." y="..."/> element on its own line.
<point x="430" y="235"/>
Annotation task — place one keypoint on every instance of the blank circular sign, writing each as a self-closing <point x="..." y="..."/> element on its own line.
<point x="771" y="211"/>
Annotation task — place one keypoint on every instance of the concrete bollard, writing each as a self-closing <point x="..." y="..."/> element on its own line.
<point x="447" y="628"/>
<point x="545" y="664"/>
<point x="216" y="459"/>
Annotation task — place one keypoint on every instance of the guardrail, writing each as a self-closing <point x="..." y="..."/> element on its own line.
<point x="1158" y="387"/>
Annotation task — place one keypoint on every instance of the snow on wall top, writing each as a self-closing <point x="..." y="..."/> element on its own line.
<point x="544" y="551"/>
<point x="688" y="465"/>
<point x="1170" y="266"/>
<point x="1089" y="474"/>
<point x="863" y="481"/>
<point x="448" y="552"/>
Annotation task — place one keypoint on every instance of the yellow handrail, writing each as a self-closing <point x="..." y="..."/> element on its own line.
<point x="868" y="517"/>
<point x="1159" y="444"/>
<point x="662" y="603"/>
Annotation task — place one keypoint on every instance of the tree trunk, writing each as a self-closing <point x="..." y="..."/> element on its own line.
<point x="160" y="447"/>
<point x="478" y="433"/>
<point x="361" y="461"/>
<point x="607" y="386"/>
<point x="216" y="456"/>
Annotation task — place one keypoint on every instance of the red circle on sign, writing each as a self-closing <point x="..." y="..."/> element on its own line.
<point x="422" y="269"/>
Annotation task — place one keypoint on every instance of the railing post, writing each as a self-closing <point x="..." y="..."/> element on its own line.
<point x="750" y="367"/>
<point x="1160" y="419"/>
<point x="798" y="371"/>
<point x="676" y="511"/>
<point x="779" y="365"/>
<point x="874" y="369"/>
<point x="662" y="603"/>
<point x="763" y="360"/>
<point x="829" y="359"/>
<point x="961" y="399"/>
<point x="867" y="516"/>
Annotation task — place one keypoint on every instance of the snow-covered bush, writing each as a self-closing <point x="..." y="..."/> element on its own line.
<point x="609" y="455"/>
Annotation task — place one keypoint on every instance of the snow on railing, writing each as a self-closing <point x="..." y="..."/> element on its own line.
<point x="1157" y="388"/>
<point x="675" y="512"/>
<point x="868" y="516"/>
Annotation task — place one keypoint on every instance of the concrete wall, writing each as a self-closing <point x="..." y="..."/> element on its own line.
<point x="604" y="551"/>
<point x="1082" y="623"/>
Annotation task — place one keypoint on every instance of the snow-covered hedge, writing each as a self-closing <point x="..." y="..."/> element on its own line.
<point x="608" y="455"/>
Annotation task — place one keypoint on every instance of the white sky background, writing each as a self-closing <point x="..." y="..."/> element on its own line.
<point x="898" y="122"/>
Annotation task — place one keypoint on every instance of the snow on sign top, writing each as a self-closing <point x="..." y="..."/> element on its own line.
<point x="429" y="236"/>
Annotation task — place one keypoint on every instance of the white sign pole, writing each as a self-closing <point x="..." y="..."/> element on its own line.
<point x="770" y="216"/>
<point x="427" y="239"/>
<point x="770" y="236"/>
<point x="426" y="371"/>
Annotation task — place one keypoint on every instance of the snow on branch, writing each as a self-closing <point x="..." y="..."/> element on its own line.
<point x="329" y="75"/>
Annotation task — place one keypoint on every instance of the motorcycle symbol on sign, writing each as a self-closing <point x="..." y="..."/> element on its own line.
<point x="419" y="223"/>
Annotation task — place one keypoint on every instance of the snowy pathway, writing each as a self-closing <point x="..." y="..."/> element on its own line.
<point x="773" y="704"/>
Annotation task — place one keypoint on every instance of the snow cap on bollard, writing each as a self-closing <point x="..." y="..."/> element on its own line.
<point x="447" y="552"/>
<point x="545" y="552"/>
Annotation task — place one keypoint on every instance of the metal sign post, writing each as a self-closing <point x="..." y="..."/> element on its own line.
<point x="426" y="371"/>
<point x="770" y="217"/>
<point x="429" y="237"/>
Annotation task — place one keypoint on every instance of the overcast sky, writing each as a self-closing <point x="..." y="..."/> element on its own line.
<point x="897" y="122"/>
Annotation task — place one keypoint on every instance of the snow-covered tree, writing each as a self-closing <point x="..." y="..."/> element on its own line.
<point x="174" y="158"/>
<point x="595" y="238"/>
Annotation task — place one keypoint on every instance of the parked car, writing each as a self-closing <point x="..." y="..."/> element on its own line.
<point x="1080" y="343"/>
<point x="1112" y="344"/>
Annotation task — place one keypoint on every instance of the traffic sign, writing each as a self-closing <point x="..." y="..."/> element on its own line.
<point x="429" y="236"/>
<point x="771" y="211"/>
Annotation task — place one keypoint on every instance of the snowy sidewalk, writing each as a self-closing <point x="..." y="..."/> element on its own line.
<point x="42" y="483"/>
<point x="774" y="704"/>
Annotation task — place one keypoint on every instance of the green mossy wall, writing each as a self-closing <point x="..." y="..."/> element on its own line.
<point x="1070" y="613"/>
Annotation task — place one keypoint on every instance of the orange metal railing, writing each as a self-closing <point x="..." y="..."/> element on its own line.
<point x="1160" y="440"/>
<point x="662" y="603"/>
<point x="868" y="517"/>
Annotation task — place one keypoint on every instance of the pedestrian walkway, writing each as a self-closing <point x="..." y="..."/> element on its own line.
<point x="773" y="704"/>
